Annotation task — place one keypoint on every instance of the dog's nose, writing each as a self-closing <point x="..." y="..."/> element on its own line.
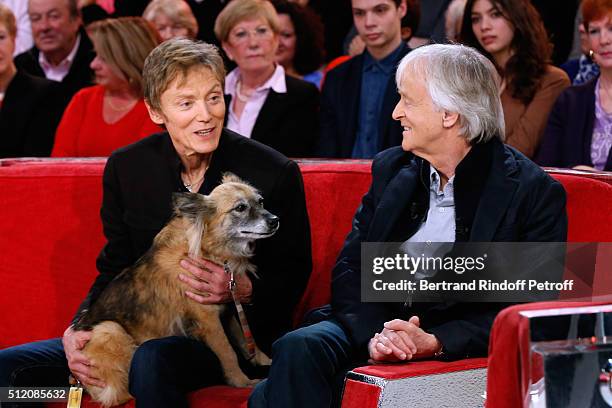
<point x="272" y="222"/>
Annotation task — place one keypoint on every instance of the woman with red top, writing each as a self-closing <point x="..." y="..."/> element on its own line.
<point x="111" y="114"/>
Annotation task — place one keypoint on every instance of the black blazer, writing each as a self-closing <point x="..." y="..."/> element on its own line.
<point x="500" y="195"/>
<point x="30" y="113"/>
<point x="138" y="184"/>
<point x="569" y="132"/>
<point x="79" y="75"/>
<point x="340" y="98"/>
<point x="288" y="122"/>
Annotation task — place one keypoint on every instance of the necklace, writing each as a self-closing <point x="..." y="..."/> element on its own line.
<point x="192" y="185"/>
<point x="239" y="94"/>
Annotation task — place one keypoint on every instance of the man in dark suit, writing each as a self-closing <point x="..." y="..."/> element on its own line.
<point x="452" y="180"/>
<point x="358" y="96"/>
<point x="62" y="51"/>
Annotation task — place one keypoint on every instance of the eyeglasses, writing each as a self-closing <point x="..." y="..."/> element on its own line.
<point x="241" y="35"/>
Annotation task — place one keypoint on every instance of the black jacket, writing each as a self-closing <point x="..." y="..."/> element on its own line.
<point x="30" y="113"/>
<point x="500" y="195"/>
<point x="79" y="76"/>
<point x="288" y="122"/>
<point x="340" y="98"/>
<point x="138" y="183"/>
<point x="569" y="132"/>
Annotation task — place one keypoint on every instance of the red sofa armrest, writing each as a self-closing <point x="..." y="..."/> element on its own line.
<point x="417" y="384"/>
<point x="507" y="385"/>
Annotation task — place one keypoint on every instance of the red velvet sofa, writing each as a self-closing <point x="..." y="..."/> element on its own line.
<point x="50" y="234"/>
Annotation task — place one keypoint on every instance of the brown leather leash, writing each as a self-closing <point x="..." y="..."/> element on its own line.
<point x="246" y="330"/>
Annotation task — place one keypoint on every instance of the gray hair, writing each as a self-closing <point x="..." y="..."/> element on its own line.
<point x="175" y="57"/>
<point x="459" y="79"/>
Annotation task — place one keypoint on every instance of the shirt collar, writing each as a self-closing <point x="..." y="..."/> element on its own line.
<point x="434" y="176"/>
<point x="387" y="64"/>
<point x="42" y="60"/>
<point x="276" y="82"/>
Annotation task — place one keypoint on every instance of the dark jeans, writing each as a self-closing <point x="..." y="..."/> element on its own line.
<point x="163" y="370"/>
<point x="308" y="368"/>
<point x="39" y="364"/>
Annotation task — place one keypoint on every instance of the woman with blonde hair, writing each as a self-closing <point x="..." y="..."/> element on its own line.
<point x="111" y="114"/>
<point x="171" y="19"/>
<point x="265" y="103"/>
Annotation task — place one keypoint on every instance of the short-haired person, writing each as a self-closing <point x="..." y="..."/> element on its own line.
<point x="62" y="51"/>
<point x="28" y="105"/>
<point x="452" y="180"/>
<point x="579" y="131"/>
<point x="358" y="96"/>
<point x="183" y="82"/>
<point x="264" y="103"/>
<point x="512" y="35"/>
<point x="111" y="114"/>
<point x="171" y="18"/>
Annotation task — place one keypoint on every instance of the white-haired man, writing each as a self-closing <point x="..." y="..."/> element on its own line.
<point x="452" y="180"/>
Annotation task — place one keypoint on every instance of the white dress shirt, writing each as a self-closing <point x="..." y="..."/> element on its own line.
<point x="244" y="125"/>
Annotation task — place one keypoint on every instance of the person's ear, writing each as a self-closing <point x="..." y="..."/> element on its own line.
<point x="449" y="119"/>
<point x="227" y="48"/>
<point x="402" y="8"/>
<point x="155" y="116"/>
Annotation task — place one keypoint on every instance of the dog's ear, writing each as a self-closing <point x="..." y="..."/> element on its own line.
<point x="192" y="205"/>
<point x="231" y="178"/>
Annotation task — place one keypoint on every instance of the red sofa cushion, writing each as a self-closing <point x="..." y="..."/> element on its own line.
<point x="52" y="235"/>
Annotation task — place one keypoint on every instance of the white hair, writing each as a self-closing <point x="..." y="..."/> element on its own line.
<point x="461" y="80"/>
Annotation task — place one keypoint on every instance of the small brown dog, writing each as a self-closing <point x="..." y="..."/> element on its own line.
<point x="147" y="301"/>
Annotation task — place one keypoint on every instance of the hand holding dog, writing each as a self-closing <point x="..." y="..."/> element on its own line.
<point x="402" y="340"/>
<point x="210" y="282"/>
<point x="80" y="366"/>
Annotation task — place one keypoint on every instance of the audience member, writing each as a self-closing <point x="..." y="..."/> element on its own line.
<point x="62" y="50"/>
<point x="358" y="96"/>
<point x="171" y="18"/>
<point x="184" y="91"/>
<point x="451" y="156"/>
<point x="111" y="114"/>
<point x="579" y="131"/>
<point x="354" y="45"/>
<point x="582" y="69"/>
<point x="300" y="48"/>
<point x="23" y="41"/>
<point x="264" y="102"/>
<point x="511" y="34"/>
<point x="453" y="19"/>
<point x="28" y="110"/>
